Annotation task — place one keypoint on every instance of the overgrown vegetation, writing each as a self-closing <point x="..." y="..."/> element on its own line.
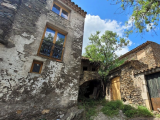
<point x="102" y="50"/>
<point x="90" y="107"/>
<point x="112" y="108"/>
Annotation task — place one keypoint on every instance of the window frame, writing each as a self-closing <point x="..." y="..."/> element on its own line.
<point x="61" y="8"/>
<point x="36" y="62"/>
<point x="54" y="41"/>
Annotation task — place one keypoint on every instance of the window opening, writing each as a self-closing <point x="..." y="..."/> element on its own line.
<point x="60" y="11"/>
<point x="52" y="44"/>
<point x="64" y="14"/>
<point x="36" y="67"/>
<point x="93" y="69"/>
<point x="56" y="9"/>
<point x="84" y="68"/>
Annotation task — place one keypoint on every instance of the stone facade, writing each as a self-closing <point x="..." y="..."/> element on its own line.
<point x="146" y="53"/>
<point x="130" y="86"/>
<point x="133" y="86"/>
<point x="25" y="95"/>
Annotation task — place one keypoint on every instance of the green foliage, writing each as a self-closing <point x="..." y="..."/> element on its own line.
<point x="125" y="108"/>
<point x="90" y="106"/>
<point x="102" y="50"/>
<point x="145" y="14"/>
<point x="130" y="111"/>
<point x="143" y="111"/>
<point x="112" y="108"/>
<point x="158" y="115"/>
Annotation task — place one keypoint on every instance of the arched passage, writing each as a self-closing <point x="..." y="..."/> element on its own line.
<point x="90" y="89"/>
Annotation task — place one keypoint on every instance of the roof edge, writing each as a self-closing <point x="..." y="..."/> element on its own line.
<point x="135" y="49"/>
<point x="75" y="7"/>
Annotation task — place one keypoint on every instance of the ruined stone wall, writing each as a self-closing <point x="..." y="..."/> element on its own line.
<point x="25" y="95"/>
<point x="89" y="65"/>
<point x="145" y="55"/>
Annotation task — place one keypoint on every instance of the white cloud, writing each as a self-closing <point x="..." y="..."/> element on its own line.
<point x="123" y="50"/>
<point x="95" y="23"/>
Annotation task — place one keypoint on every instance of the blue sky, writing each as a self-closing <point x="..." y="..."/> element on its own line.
<point x="101" y="16"/>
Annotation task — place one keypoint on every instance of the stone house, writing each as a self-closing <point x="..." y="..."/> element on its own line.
<point x="91" y="84"/>
<point x="40" y="57"/>
<point x="137" y="81"/>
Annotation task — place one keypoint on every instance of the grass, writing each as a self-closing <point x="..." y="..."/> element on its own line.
<point x="90" y="107"/>
<point x="112" y="108"/>
<point x="158" y="115"/>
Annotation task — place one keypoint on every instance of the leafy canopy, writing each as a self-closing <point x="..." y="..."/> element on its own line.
<point x="145" y="14"/>
<point x="102" y="50"/>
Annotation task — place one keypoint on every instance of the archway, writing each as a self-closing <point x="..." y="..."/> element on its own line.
<point x="90" y="90"/>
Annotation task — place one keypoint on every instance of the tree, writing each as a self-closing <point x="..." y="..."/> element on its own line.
<point x="145" y="14"/>
<point x="102" y="50"/>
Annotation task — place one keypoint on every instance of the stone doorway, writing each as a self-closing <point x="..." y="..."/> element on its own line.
<point x="153" y="83"/>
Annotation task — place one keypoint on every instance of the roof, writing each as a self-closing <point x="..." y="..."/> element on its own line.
<point x="118" y="68"/>
<point x="137" y="48"/>
<point x="140" y="66"/>
<point x="147" y="70"/>
<point x="75" y="7"/>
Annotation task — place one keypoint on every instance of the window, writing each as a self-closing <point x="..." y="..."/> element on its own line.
<point x="52" y="44"/>
<point x="60" y="11"/>
<point x="84" y="68"/>
<point x="93" y="69"/>
<point x="36" y="67"/>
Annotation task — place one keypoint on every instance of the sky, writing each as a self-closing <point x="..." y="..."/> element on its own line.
<point x="104" y="15"/>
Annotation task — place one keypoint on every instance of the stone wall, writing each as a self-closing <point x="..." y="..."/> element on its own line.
<point x="130" y="90"/>
<point x="25" y="95"/>
<point x="89" y="75"/>
<point x="156" y="51"/>
<point x="140" y="82"/>
<point x="8" y="9"/>
<point x="90" y="66"/>
<point x="145" y="55"/>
